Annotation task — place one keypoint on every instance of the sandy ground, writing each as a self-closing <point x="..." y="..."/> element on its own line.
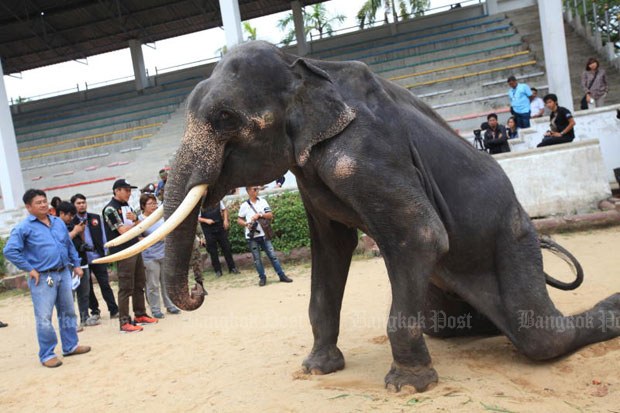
<point x="242" y="350"/>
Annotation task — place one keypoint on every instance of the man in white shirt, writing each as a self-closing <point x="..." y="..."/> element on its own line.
<point x="537" y="106"/>
<point x="249" y="213"/>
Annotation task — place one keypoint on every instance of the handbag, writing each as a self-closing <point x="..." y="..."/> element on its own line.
<point x="264" y="223"/>
<point x="584" y="101"/>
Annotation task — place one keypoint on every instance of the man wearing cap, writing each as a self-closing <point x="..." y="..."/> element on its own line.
<point x="119" y="218"/>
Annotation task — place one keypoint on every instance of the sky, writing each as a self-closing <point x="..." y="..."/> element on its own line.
<point x="163" y="55"/>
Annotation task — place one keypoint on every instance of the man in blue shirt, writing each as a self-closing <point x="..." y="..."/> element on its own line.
<point x="40" y="245"/>
<point x="520" y="96"/>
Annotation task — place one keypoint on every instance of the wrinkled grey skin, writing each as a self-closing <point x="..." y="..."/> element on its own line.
<point x="367" y="154"/>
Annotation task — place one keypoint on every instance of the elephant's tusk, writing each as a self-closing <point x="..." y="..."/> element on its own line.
<point x="191" y="199"/>
<point x="138" y="229"/>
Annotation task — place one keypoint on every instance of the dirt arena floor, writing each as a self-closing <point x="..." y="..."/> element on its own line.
<point x="242" y="351"/>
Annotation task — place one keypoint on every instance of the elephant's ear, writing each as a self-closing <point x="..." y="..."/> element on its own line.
<point x="317" y="111"/>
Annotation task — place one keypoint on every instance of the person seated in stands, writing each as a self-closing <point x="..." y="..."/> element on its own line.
<point x="511" y="128"/>
<point x="495" y="137"/>
<point x="537" y="106"/>
<point x="562" y="123"/>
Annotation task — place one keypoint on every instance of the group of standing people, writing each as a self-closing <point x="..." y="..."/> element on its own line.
<point x="57" y="247"/>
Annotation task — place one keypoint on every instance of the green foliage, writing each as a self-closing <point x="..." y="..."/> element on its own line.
<point x="315" y="18"/>
<point x="397" y="8"/>
<point x="290" y="224"/>
<point x="613" y="12"/>
<point x="251" y="32"/>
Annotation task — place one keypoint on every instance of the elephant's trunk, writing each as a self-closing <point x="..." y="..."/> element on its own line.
<point x="179" y="245"/>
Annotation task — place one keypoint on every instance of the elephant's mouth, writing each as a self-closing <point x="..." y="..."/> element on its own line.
<point x="192" y="198"/>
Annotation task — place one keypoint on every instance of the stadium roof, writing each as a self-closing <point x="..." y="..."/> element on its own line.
<point x="35" y="33"/>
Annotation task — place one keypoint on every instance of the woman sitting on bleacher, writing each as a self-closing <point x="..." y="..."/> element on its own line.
<point x="511" y="128"/>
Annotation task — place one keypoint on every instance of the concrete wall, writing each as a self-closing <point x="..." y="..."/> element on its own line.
<point x="561" y="179"/>
<point x="600" y="123"/>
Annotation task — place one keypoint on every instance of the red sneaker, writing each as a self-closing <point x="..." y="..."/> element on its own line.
<point x="140" y="321"/>
<point x="130" y="328"/>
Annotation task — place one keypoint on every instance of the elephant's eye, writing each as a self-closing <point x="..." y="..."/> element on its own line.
<point x="226" y="120"/>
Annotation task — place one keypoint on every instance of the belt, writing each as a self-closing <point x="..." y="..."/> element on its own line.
<point x="59" y="269"/>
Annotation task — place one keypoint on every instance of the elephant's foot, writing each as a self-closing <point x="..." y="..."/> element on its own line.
<point x="324" y="360"/>
<point x="400" y="377"/>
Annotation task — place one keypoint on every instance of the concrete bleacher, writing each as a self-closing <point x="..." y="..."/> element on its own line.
<point x="456" y="61"/>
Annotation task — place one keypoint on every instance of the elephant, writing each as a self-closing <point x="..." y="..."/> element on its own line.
<point x="369" y="155"/>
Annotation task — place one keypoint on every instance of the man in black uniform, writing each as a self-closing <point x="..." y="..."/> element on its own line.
<point x="94" y="236"/>
<point x="119" y="218"/>
<point x="214" y="222"/>
<point x="562" y="123"/>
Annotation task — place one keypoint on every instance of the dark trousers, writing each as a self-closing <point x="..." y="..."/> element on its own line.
<point x="522" y="119"/>
<point x="554" y="140"/>
<point x="131" y="283"/>
<point x="101" y="273"/>
<point x="214" y="238"/>
<point x="82" y="293"/>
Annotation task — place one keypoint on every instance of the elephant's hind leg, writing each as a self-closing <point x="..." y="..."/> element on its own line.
<point x="448" y="315"/>
<point x="533" y="323"/>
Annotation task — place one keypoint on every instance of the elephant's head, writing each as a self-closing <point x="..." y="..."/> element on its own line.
<point x="259" y="113"/>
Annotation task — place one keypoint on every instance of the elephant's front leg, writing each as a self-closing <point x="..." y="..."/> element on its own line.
<point x="332" y="248"/>
<point x="410" y="255"/>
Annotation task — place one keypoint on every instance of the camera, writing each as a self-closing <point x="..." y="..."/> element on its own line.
<point x="478" y="142"/>
<point x="253" y="229"/>
<point x="85" y="247"/>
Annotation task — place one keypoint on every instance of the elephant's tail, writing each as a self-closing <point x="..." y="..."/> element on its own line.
<point x="548" y="244"/>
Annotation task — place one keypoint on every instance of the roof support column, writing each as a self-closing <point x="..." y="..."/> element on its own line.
<point x="300" y="29"/>
<point x="11" y="180"/>
<point x="554" y="46"/>
<point x="231" y="18"/>
<point x="137" y="59"/>
<point x="491" y="6"/>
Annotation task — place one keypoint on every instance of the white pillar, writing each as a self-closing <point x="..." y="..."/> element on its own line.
<point x="231" y="19"/>
<point x="300" y="30"/>
<point x="491" y="7"/>
<point x="554" y="46"/>
<point x="11" y="180"/>
<point x="137" y="59"/>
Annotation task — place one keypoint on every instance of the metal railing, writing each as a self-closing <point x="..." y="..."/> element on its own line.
<point x="168" y="69"/>
<point x="594" y="18"/>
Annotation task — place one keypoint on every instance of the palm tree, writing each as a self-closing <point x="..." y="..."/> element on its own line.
<point x="251" y="33"/>
<point x="249" y="30"/>
<point x="316" y="18"/>
<point x="367" y="14"/>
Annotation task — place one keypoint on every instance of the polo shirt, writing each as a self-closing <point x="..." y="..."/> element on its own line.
<point x="520" y="98"/>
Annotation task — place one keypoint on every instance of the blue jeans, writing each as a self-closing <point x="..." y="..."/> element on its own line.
<point x="255" y="245"/>
<point x="522" y="120"/>
<point x="44" y="298"/>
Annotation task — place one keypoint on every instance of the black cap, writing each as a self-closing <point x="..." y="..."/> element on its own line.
<point x="122" y="183"/>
